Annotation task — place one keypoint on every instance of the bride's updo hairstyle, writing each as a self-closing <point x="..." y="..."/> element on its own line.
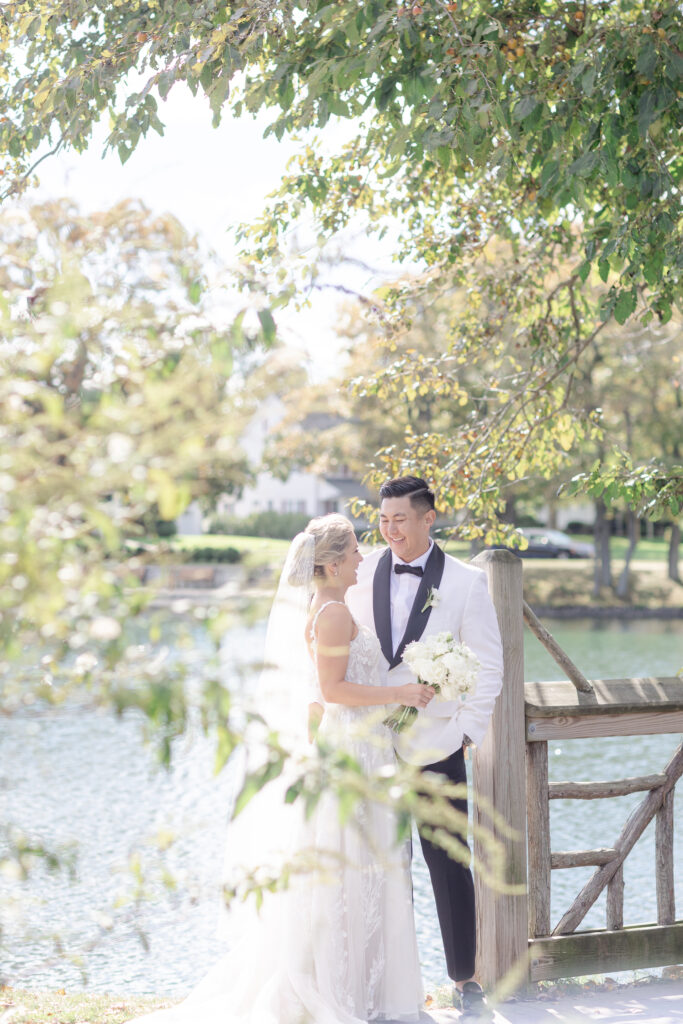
<point x="324" y="541"/>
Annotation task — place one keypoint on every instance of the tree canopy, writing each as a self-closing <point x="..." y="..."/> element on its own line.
<point x="543" y="107"/>
<point x="528" y="151"/>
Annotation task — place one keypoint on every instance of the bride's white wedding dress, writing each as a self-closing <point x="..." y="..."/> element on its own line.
<point x="338" y="946"/>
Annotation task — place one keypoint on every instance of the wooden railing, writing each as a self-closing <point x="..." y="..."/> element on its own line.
<point x="511" y="773"/>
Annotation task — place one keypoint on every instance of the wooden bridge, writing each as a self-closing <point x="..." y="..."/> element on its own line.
<point x="516" y="938"/>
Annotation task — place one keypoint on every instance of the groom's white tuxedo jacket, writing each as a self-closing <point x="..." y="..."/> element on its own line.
<point x="464" y="608"/>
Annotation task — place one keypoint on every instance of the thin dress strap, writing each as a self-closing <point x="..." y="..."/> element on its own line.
<point x="317" y="615"/>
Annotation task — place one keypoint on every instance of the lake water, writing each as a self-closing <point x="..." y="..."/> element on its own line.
<point x="86" y="779"/>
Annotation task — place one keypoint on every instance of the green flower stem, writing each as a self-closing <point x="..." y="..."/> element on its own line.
<point x="404" y="716"/>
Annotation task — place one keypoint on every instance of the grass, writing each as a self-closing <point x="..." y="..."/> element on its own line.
<point x="267" y="550"/>
<point x="257" y="552"/>
<point x="551" y="582"/>
<point x="18" y="1006"/>
<point x="646" y="550"/>
<point x="547" y="582"/>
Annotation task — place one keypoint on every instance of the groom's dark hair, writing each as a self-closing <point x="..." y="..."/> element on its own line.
<point x="417" y="489"/>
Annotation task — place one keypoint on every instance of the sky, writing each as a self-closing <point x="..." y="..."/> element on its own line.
<point x="210" y="179"/>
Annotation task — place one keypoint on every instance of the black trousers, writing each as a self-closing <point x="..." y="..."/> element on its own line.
<point x="453" y="885"/>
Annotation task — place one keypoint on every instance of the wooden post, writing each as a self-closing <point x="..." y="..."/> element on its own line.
<point x="664" y="859"/>
<point x="499" y="778"/>
<point x="539" y="839"/>
<point x="615" y="900"/>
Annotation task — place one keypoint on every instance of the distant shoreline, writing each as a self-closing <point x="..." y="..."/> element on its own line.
<point x="554" y="589"/>
<point x="628" y="612"/>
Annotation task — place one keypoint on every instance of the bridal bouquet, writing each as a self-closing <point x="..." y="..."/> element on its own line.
<point x="450" y="667"/>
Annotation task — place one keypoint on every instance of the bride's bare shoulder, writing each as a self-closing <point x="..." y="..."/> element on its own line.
<point x="330" y="616"/>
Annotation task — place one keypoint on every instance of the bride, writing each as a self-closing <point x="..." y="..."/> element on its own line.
<point x="337" y="944"/>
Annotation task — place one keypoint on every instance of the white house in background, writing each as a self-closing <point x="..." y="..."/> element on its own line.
<point x="191" y="520"/>
<point x="566" y="513"/>
<point x="302" y="491"/>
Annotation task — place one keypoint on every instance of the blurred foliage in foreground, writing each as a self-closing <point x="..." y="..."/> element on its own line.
<point x="120" y="402"/>
<point x="123" y="395"/>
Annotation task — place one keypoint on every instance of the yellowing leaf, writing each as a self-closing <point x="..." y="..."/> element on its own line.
<point x="42" y="92"/>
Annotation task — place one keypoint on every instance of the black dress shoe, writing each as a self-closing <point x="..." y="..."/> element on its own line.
<point x="473" y="1005"/>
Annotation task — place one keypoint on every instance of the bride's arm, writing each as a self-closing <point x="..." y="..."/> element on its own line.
<point x="334" y="631"/>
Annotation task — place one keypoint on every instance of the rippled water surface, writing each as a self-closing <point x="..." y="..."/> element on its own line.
<point x="88" y="780"/>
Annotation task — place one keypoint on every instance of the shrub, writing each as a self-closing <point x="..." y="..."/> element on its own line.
<point x="212" y="554"/>
<point x="165" y="528"/>
<point x="279" y="525"/>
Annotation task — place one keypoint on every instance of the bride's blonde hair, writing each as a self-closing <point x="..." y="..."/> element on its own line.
<point x="331" y="536"/>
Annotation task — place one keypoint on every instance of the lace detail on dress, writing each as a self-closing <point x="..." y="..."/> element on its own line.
<point x="338" y="947"/>
<point x="375" y="882"/>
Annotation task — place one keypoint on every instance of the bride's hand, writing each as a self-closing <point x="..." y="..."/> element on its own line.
<point x="414" y="695"/>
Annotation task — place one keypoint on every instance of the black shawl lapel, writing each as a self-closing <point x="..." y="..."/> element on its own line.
<point x="419" y="615"/>
<point x="381" y="604"/>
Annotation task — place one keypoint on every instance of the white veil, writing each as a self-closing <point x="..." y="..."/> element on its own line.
<point x="262" y="837"/>
<point x="287" y="681"/>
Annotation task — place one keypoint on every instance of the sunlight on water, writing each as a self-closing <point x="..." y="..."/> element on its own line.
<point x="88" y="779"/>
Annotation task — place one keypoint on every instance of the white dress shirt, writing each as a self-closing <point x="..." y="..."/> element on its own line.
<point x="402" y="591"/>
<point x="466" y="610"/>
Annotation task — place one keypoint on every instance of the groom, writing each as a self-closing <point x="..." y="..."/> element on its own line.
<point x="405" y="592"/>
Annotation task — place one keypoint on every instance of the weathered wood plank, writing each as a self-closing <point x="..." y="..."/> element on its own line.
<point x="598" y="790"/>
<point x="609" y="696"/>
<point x="581" y="858"/>
<point x="598" y="952"/>
<point x="615" y="900"/>
<point x="538" y="833"/>
<point x="664" y="861"/>
<point x="631" y="832"/>
<point x="643" y="723"/>
<point x="499" y="775"/>
<point x="551" y="645"/>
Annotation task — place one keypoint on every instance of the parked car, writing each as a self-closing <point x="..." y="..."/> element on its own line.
<point x="545" y="543"/>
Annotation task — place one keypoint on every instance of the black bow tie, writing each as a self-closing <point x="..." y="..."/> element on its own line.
<point x="416" y="570"/>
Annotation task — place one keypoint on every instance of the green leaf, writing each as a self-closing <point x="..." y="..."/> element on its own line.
<point x="625" y="305"/>
<point x="588" y="80"/>
<point x="584" y="165"/>
<point x="647" y="58"/>
<point x="652" y="270"/>
<point x="218" y="93"/>
<point x="549" y="172"/>
<point x="647" y="111"/>
<point x="294" y="791"/>
<point x="267" y="325"/>
<point x="414" y="88"/>
<point x="526" y="106"/>
<point x="254" y="783"/>
<point x="385" y="92"/>
<point x="164" y="83"/>
<point x="664" y="312"/>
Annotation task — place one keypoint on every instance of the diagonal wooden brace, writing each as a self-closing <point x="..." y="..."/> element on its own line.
<point x="630" y="834"/>
<point x="551" y="645"/>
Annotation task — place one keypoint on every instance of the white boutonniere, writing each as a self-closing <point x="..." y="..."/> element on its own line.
<point x="433" y="599"/>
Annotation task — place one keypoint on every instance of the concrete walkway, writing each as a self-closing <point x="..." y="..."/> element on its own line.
<point x="659" y="1002"/>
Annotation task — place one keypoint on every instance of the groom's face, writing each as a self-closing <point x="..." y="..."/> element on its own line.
<point x="404" y="528"/>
